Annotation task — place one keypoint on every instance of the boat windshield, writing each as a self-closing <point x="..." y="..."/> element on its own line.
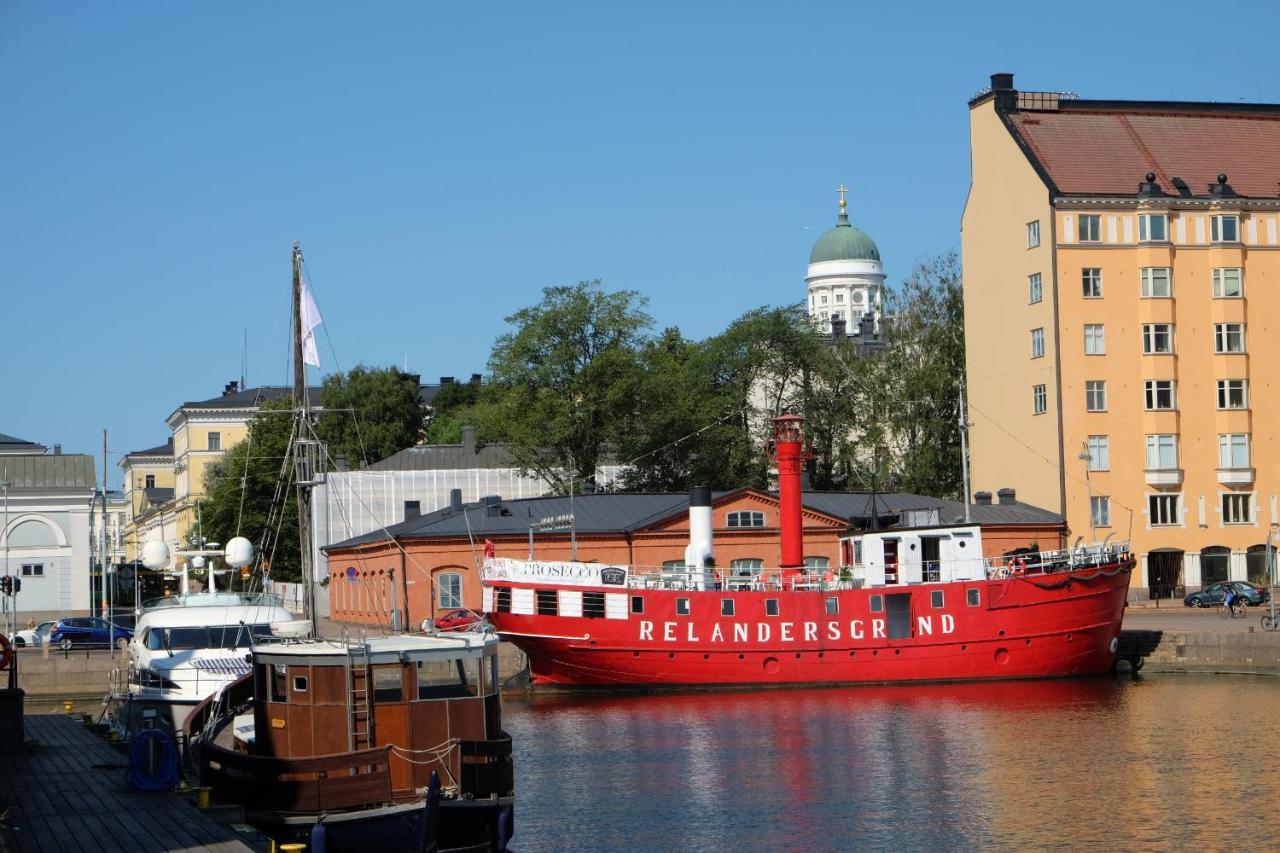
<point x="206" y="637"/>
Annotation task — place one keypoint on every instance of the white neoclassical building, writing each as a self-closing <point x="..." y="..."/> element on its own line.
<point x="845" y="279"/>
<point x="44" y="533"/>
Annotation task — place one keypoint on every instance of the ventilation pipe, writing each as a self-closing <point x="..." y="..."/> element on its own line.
<point x="698" y="553"/>
<point x="455" y="499"/>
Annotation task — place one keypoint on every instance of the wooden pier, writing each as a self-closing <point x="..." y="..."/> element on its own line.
<point x="68" y="792"/>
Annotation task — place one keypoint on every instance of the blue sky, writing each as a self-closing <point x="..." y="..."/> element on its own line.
<point x="441" y="163"/>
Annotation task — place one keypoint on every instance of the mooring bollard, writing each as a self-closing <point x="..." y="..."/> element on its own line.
<point x="66" y="706"/>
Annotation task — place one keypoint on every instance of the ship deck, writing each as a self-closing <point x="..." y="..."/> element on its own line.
<point x="68" y="792"/>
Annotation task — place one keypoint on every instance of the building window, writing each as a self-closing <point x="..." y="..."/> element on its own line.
<point x="1228" y="337"/>
<point x="593" y="605"/>
<point x="1035" y="288"/>
<point x="771" y="607"/>
<point x="746" y="567"/>
<point x="502" y="599"/>
<point x="1095" y="395"/>
<point x="877" y="604"/>
<point x="1091" y="282"/>
<point x="1157" y="338"/>
<point x="1163" y="510"/>
<point x="388" y="683"/>
<point x="1237" y="509"/>
<point x="1225" y="228"/>
<point x="1155" y="283"/>
<point x="1039" y="400"/>
<point x="682" y="607"/>
<point x="450" y="586"/>
<point x="817" y="562"/>
<point x="1090" y="230"/>
<point x="833" y="606"/>
<point x="824" y="299"/>
<point x="1099" y="453"/>
<point x="1233" y="394"/>
<point x="1037" y="343"/>
<point x="839" y="297"/>
<point x="1095" y="342"/>
<point x="1153" y="227"/>
<point x="1162" y="452"/>
<point x="973" y="597"/>
<point x="745" y="519"/>
<point x="726" y="607"/>
<point x="299" y="684"/>
<point x="637" y="604"/>
<point x="548" y="602"/>
<point x="150" y="481"/>
<point x="1233" y="450"/>
<point x="33" y="570"/>
<point x="1160" y="394"/>
<point x="1033" y="234"/>
<point x="1226" y="282"/>
<point x="1100" y="511"/>
<point x="215" y="441"/>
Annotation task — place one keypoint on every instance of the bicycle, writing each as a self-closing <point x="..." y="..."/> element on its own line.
<point x="1270" y="623"/>
<point x="1235" y="609"/>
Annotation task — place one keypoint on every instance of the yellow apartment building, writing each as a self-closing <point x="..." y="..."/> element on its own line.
<point x="164" y="485"/>
<point x="1121" y="280"/>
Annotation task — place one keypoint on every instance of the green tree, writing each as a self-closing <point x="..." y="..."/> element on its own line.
<point x="565" y="380"/>
<point x="923" y="369"/>
<point x="370" y="413"/>
<point x="249" y="492"/>
<point x="451" y="409"/>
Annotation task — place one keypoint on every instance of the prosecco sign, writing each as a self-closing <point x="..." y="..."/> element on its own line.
<point x="542" y="572"/>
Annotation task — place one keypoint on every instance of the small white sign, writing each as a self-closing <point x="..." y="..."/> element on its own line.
<point x="542" y="572"/>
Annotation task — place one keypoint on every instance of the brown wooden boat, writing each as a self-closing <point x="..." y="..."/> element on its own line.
<point x="345" y="735"/>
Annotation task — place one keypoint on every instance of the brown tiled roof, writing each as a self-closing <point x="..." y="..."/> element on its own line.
<point x="1107" y="148"/>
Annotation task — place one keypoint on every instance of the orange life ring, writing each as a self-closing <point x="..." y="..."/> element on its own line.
<point x="6" y="652"/>
<point x="1017" y="566"/>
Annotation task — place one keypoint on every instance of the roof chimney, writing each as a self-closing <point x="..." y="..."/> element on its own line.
<point x="455" y="499"/>
<point x="412" y="509"/>
<point x="475" y="379"/>
<point x="588" y="487"/>
<point x="1006" y="95"/>
<point x="699" y="549"/>
<point x="446" y="380"/>
<point x="340" y="462"/>
<point x="1008" y="496"/>
<point x="230" y="388"/>
<point x="468" y="439"/>
<point x="57" y="450"/>
<point x="982" y="498"/>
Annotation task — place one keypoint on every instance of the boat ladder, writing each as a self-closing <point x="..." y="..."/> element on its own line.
<point x="359" y="704"/>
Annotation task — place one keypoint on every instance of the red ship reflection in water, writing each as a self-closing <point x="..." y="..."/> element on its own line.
<point x="1000" y="765"/>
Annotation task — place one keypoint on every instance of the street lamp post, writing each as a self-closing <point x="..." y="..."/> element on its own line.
<point x="1087" y="459"/>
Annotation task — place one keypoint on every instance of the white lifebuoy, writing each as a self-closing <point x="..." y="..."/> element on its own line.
<point x="1115" y="644"/>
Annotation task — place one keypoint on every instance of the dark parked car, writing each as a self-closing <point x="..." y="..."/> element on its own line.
<point x="1212" y="595"/>
<point x="87" y="631"/>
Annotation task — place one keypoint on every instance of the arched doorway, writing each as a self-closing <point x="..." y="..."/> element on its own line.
<point x="1215" y="564"/>
<point x="1164" y="573"/>
<point x="1256" y="563"/>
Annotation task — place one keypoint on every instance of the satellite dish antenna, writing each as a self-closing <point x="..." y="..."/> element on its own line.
<point x="155" y="555"/>
<point x="296" y="629"/>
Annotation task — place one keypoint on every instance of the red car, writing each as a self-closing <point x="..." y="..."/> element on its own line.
<point x="456" y="620"/>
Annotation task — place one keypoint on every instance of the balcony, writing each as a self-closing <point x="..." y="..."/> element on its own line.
<point x="1164" y="476"/>
<point x="1234" y="476"/>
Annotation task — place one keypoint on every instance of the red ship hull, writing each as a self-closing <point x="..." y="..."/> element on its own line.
<point x="1037" y="626"/>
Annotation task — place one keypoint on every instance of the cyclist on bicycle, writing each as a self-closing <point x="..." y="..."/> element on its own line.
<point x="1229" y="599"/>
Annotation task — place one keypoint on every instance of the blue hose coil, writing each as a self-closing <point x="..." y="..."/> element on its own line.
<point x="153" y="761"/>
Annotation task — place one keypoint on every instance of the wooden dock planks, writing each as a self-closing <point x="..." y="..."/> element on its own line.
<point x="70" y="793"/>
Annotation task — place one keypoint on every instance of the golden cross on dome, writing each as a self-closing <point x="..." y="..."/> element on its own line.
<point x="842" y="189"/>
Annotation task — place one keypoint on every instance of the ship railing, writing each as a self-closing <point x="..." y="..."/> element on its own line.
<point x="1082" y="556"/>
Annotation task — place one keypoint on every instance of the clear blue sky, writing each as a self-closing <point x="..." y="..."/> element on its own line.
<point x="441" y="163"/>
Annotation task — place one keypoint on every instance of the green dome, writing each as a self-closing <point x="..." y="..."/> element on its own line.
<point x="844" y="243"/>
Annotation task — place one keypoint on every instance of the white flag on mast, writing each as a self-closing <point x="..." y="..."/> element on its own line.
<point x="310" y="319"/>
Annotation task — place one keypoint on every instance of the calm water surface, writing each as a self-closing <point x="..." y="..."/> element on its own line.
<point x="1100" y="763"/>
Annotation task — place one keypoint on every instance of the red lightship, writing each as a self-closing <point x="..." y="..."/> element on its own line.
<point x="909" y="603"/>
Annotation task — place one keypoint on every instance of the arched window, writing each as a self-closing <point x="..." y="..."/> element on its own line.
<point x="450" y="586"/>
<point x="1256" y="562"/>
<point x="748" y="567"/>
<point x="32" y="533"/>
<point x="1214" y="562"/>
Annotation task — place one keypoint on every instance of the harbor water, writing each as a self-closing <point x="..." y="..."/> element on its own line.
<point x="1168" y="761"/>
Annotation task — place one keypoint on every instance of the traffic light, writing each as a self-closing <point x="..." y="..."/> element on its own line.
<point x="6" y="585"/>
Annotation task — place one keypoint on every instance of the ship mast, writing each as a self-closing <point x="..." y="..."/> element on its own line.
<point x="789" y="454"/>
<point x="302" y="444"/>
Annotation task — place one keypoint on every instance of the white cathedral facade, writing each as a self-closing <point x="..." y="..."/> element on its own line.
<point x="845" y="279"/>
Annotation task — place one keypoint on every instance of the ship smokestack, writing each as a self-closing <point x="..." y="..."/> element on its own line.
<point x="699" y="551"/>
<point x="788" y="451"/>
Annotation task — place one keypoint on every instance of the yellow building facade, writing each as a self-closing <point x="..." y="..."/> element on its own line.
<point x="1120" y="271"/>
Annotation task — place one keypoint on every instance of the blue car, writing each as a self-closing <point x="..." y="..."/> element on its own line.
<point x="87" y="631"/>
<point x="1212" y="595"/>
